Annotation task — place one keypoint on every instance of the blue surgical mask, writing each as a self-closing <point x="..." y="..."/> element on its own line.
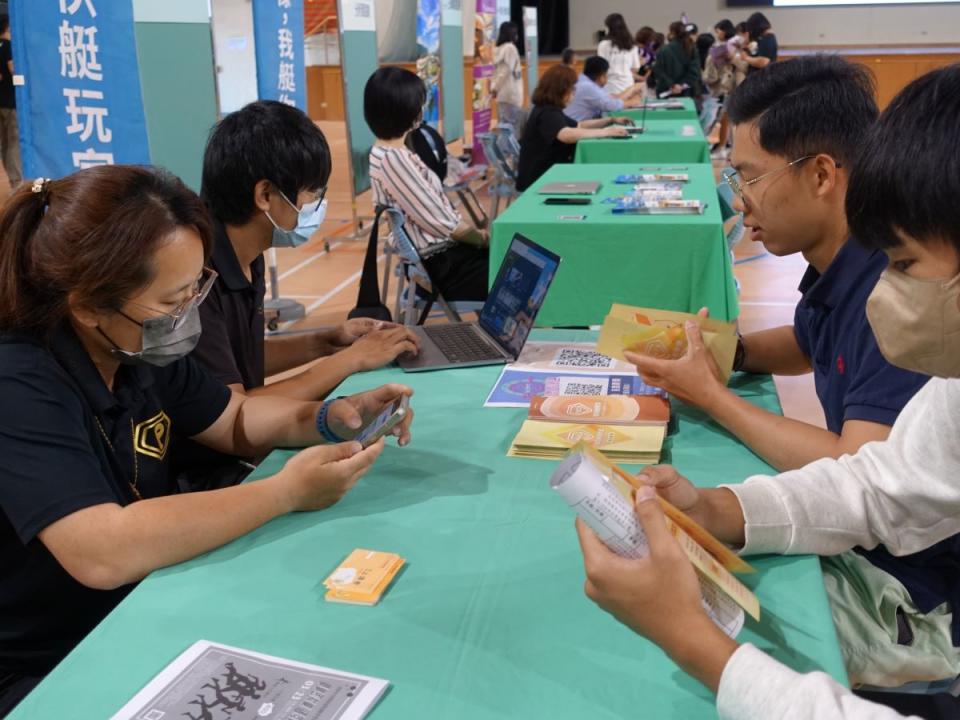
<point x="309" y="218"/>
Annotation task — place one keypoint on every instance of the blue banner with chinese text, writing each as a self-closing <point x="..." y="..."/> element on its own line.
<point x="79" y="103"/>
<point x="278" y="36"/>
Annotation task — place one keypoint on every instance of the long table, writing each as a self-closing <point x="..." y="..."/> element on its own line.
<point x="489" y="619"/>
<point x="663" y="141"/>
<point x="655" y="111"/>
<point x="675" y="262"/>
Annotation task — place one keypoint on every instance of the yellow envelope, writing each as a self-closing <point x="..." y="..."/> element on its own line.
<point x="661" y="334"/>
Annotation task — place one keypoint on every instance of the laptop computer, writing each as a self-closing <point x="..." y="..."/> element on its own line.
<point x="570" y="188"/>
<point x="642" y="127"/>
<point x="505" y="320"/>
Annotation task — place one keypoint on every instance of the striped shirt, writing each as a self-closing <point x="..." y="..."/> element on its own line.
<point x="401" y="180"/>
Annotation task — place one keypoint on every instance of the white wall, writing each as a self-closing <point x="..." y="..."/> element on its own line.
<point x="864" y="25"/>
<point x="234" y="52"/>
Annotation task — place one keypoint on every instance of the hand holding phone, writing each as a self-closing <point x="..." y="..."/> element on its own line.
<point x="386" y="421"/>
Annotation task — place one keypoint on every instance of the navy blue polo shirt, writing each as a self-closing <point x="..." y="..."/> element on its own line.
<point x="71" y="444"/>
<point x="853" y="380"/>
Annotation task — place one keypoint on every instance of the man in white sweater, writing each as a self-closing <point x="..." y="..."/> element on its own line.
<point x="903" y="494"/>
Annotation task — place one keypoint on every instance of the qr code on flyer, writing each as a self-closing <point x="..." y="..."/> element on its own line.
<point x="577" y="387"/>
<point x="575" y="358"/>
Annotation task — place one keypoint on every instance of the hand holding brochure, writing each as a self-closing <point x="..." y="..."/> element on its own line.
<point x="661" y="334"/>
<point x="601" y="494"/>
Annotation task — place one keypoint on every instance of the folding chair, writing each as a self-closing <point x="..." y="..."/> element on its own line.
<point x="415" y="290"/>
<point x="503" y="184"/>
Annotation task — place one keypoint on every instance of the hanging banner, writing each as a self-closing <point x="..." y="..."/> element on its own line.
<point x="530" y="36"/>
<point x="278" y="40"/>
<point x="428" y="57"/>
<point x="451" y="69"/>
<point x="78" y="85"/>
<point x="484" y="43"/>
<point x="358" y="53"/>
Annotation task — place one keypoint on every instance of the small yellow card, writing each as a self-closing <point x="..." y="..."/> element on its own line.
<point x="363" y="577"/>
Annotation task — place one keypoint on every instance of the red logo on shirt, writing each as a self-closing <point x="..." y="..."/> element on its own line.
<point x="841" y="366"/>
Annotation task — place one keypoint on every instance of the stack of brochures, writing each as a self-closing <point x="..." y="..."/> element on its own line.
<point x="625" y="428"/>
<point x="363" y="577"/>
<point x="640" y="204"/>
<point x="648" y="178"/>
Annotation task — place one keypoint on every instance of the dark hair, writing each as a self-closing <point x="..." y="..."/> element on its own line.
<point x="812" y="104"/>
<point x="757" y="25"/>
<point x="92" y="234"/>
<point x="595" y="66"/>
<point x="392" y="101"/>
<point x="4" y="23"/>
<point x="704" y="42"/>
<point x="554" y="85"/>
<point x="679" y="32"/>
<point x="741" y="28"/>
<point x="617" y="31"/>
<point x="726" y="27"/>
<point x="568" y="57"/>
<point x="265" y="140"/>
<point x="659" y="40"/>
<point x="907" y="177"/>
<point x="509" y="33"/>
<point x="645" y="36"/>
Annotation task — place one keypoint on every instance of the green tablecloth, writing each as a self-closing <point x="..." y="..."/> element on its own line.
<point x="675" y="262"/>
<point x="689" y="111"/>
<point x="489" y="619"/>
<point x="663" y="141"/>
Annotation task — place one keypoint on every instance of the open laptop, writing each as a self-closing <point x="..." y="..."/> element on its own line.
<point x="570" y="188"/>
<point x="642" y="127"/>
<point x="505" y="321"/>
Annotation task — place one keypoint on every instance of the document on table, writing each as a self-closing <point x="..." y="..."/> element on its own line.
<point x="569" y="357"/>
<point x="606" y="510"/>
<point x="218" y="682"/>
<point x="515" y="388"/>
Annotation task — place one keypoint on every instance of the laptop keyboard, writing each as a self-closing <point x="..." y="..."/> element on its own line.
<point x="461" y="343"/>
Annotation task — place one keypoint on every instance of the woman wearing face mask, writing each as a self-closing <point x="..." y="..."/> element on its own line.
<point x="903" y="494"/>
<point x="101" y="275"/>
<point x="454" y="252"/>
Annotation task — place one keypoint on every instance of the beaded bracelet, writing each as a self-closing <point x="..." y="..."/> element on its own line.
<point x="323" y="426"/>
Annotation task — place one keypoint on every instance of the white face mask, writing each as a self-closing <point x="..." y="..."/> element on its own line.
<point x="917" y="323"/>
<point x="309" y="218"/>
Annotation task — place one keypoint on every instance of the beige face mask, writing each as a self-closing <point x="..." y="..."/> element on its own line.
<point x="917" y="323"/>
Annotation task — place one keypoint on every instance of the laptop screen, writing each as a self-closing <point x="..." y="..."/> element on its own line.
<point x="518" y="292"/>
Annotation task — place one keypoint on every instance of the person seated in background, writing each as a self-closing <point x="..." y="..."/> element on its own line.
<point x="591" y="101"/>
<point x="619" y="49"/>
<point x="677" y="70"/>
<point x="568" y="57"/>
<point x="550" y="135"/>
<point x="265" y="174"/>
<point x="101" y="276"/>
<point x="454" y="252"/>
<point x="507" y="85"/>
<point x="903" y="494"/>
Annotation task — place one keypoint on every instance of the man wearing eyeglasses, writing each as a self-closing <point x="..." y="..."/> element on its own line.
<point x="265" y="174"/>
<point x="797" y="128"/>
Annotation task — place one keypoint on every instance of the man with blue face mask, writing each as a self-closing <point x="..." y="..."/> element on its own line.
<point x="902" y="494"/>
<point x="265" y="175"/>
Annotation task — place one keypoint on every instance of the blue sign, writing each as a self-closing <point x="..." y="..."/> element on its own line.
<point x="79" y="104"/>
<point x="278" y="36"/>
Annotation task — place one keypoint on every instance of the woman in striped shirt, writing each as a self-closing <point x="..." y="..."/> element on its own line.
<point x="454" y="252"/>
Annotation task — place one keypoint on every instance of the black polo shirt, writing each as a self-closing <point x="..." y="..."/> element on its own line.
<point x="231" y="350"/>
<point x="540" y="149"/>
<point x="69" y="443"/>
<point x="231" y="346"/>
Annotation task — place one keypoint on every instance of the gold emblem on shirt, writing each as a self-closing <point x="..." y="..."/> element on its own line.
<point x="152" y="437"/>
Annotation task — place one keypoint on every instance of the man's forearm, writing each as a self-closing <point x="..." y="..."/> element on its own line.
<point x="315" y="383"/>
<point x="285" y="352"/>
<point x="265" y="423"/>
<point x="784" y="443"/>
<point x="703" y="652"/>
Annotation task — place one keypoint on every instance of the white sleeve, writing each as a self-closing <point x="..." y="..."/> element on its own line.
<point x="754" y="686"/>
<point x="903" y="493"/>
<point x="635" y="59"/>
<point x="604" y="49"/>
